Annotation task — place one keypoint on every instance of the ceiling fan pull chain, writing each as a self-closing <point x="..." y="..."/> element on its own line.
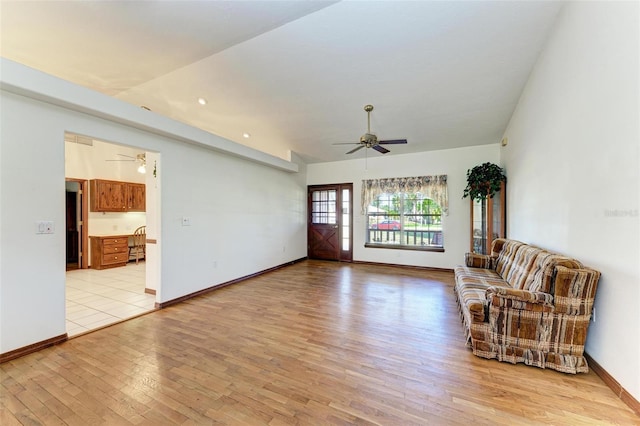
<point x="366" y="160"/>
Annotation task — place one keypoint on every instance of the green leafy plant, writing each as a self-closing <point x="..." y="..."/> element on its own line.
<point x="484" y="181"/>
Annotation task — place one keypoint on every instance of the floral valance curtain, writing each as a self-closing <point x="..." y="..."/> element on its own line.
<point x="434" y="187"/>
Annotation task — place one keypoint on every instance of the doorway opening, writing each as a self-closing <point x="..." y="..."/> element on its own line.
<point x="330" y="222"/>
<point x="100" y="291"/>
<point x="76" y="219"/>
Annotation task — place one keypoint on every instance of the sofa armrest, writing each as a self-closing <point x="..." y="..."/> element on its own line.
<point x="505" y="297"/>
<point x="483" y="261"/>
<point x="575" y="290"/>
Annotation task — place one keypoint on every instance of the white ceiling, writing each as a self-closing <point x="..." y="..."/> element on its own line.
<point x="296" y="74"/>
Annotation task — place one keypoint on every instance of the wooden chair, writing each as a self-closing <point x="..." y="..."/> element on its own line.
<point x="138" y="243"/>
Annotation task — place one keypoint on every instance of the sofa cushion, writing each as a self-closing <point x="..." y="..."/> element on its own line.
<point x="522" y="264"/>
<point x="546" y="263"/>
<point x="532" y="268"/>
<point x="475" y="260"/>
<point x="505" y="251"/>
<point x="471" y="286"/>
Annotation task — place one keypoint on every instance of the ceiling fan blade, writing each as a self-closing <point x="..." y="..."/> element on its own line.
<point x="123" y="159"/>
<point x="355" y="149"/>
<point x="346" y="143"/>
<point x="392" y="141"/>
<point x="380" y="149"/>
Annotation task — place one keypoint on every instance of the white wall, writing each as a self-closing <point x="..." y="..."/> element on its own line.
<point x="246" y="216"/>
<point x="452" y="162"/>
<point x="32" y="266"/>
<point x="573" y="160"/>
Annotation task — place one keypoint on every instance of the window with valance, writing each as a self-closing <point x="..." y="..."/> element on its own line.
<point x="405" y="213"/>
<point x="434" y="187"/>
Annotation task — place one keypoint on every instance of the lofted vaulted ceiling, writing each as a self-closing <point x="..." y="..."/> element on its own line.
<point x="296" y="75"/>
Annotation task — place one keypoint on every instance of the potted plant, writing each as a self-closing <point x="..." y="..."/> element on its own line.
<point x="484" y="181"/>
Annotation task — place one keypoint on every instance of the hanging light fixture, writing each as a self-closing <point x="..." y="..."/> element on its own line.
<point x="143" y="163"/>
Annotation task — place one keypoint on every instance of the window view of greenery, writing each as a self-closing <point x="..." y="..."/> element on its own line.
<point x="404" y="220"/>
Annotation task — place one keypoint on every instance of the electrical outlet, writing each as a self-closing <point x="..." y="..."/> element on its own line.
<point x="186" y="221"/>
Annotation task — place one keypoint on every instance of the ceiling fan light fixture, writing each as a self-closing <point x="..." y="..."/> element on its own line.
<point x="142" y="168"/>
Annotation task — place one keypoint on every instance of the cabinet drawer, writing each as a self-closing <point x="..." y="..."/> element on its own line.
<point x="108" y="259"/>
<point x="115" y="241"/>
<point x="115" y="249"/>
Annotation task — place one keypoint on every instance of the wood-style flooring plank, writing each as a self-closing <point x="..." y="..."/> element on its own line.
<point x="313" y="343"/>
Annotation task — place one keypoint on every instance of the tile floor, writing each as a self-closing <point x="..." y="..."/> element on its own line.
<point x="96" y="298"/>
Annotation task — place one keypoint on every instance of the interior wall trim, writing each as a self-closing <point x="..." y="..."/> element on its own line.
<point x="395" y="265"/>
<point x="219" y="286"/>
<point x="613" y="384"/>
<point x="34" y="347"/>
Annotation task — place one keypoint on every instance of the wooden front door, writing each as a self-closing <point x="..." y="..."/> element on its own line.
<point x="330" y="222"/>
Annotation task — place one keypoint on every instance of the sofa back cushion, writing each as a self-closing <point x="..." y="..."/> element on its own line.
<point x="542" y="276"/>
<point x="527" y="267"/>
<point x="504" y="250"/>
<point x="519" y="274"/>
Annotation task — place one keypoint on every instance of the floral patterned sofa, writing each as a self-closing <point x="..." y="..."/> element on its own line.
<point x="525" y="304"/>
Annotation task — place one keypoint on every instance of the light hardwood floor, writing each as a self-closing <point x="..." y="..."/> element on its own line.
<point x="313" y="343"/>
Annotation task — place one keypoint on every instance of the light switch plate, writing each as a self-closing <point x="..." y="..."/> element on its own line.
<point x="45" y="227"/>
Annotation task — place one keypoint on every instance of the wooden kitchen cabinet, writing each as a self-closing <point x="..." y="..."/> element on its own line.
<point x="136" y="198"/>
<point x="116" y="196"/>
<point x="109" y="251"/>
<point x="107" y="196"/>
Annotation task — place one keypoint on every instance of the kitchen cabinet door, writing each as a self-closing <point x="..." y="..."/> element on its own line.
<point x="108" y="196"/>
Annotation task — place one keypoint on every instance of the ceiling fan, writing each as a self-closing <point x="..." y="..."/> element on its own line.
<point x="140" y="157"/>
<point x="369" y="140"/>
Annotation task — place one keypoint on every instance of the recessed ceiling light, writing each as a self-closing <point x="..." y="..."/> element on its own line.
<point x="246" y="135"/>
<point x="202" y="101"/>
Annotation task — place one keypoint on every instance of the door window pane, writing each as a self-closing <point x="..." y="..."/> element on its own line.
<point x="323" y="207"/>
